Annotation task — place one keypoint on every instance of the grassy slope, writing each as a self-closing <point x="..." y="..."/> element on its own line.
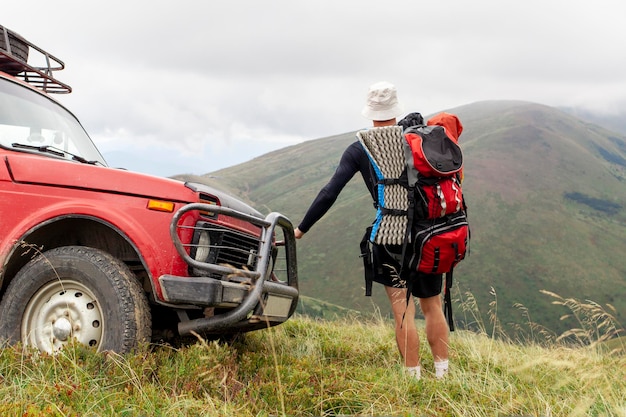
<point x="521" y="161"/>
<point x="308" y="367"/>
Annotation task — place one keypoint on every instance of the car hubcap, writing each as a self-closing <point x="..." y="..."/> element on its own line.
<point x="61" y="329"/>
<point x="59" y="312"/>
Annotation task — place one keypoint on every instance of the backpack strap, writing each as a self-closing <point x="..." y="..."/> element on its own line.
<point x="369" y="261"/>
<point x="447" y="300"/>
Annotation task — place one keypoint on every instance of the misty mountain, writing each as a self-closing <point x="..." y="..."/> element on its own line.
<point x="547" y="206"/>
<point x="615" y="121"/>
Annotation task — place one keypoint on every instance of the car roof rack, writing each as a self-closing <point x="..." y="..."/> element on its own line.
<point x="14" y="54"/>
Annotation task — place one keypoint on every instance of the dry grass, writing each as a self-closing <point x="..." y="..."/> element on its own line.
<point x="309" y="367"/>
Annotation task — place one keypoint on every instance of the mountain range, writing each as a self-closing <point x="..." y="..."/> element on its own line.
<point x="546" y="195"/>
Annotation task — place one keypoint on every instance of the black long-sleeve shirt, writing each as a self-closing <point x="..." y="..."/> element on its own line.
<point x="353" y="160"/>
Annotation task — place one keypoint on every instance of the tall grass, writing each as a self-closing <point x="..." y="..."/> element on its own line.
<point x="348" y="366"/>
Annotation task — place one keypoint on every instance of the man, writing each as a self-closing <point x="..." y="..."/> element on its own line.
<point x="382" y="108"/>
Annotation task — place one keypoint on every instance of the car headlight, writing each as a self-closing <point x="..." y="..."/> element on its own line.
<point x="203" y="247"/>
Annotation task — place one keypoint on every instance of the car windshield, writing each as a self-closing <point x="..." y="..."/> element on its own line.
<point x="32" y="122"/>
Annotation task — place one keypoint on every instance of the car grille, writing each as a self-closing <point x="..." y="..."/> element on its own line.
<point x="225" y="247"/>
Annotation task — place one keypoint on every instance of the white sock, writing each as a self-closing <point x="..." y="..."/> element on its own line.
<point x="415" y="371"/>
<point x="441" y="368"/>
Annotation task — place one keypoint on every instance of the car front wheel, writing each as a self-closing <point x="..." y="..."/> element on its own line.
<point x="75" y="293"/>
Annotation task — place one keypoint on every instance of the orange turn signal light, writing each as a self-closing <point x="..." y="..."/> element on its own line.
<point x="158" y="205"/>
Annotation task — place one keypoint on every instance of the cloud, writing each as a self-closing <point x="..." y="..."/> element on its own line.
<point x="212" y="78"/>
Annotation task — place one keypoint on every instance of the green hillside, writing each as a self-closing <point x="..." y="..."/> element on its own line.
<point x="547" y="205"/>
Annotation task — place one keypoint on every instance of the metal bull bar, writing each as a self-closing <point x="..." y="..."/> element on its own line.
<point x="259" y="276"/>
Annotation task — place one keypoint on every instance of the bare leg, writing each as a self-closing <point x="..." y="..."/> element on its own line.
<point x="406" y="332"/>
<point x="436" y="327"/>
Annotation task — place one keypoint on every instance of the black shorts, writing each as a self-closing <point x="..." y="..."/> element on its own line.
<point x="423" y="285"/>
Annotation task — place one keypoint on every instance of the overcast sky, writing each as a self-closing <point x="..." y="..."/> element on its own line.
<point x="208" y="84"/>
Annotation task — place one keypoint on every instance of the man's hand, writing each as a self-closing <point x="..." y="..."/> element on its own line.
<point x="298" y="233"/>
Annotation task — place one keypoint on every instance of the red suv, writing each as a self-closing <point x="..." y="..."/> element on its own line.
<point x="112" y="258"/>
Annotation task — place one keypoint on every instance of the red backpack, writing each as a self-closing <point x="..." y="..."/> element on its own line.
<point x="440" y="231"/>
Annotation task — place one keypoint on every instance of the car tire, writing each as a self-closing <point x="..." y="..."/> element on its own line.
<point x="79" y="293"/>
<point x="19" y="50"/>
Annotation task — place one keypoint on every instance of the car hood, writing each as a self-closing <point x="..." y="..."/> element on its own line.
<point x="226" y="200"/>
<point x="41" y="170"/>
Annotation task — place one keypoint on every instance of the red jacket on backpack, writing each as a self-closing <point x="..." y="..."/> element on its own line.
<point x="451" y="124"/>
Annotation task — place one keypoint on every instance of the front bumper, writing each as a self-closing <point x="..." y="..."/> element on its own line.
<point x="247" y="299"/>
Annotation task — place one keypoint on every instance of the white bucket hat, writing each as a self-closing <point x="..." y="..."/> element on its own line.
<point x="382" y="102"/>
